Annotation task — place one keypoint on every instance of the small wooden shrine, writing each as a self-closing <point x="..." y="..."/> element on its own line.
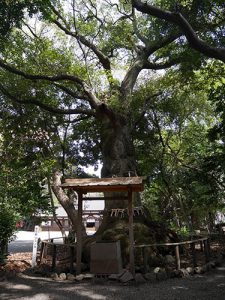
<point x="126" y="185"/>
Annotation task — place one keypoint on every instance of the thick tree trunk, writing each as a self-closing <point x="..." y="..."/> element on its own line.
<point x="118" y="156"/>
<point x="65" y="201"/>
<point x="118" y="153"/>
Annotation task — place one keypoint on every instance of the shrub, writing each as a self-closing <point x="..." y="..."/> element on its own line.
<point x="8" y="220"/>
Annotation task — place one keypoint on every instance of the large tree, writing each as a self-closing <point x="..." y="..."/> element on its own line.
<point x="85" y="59"/>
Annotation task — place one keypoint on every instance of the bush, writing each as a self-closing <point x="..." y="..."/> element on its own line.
<point x="8" y="220"/>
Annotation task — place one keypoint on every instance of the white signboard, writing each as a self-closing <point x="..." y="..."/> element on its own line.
<point x="35" y="245"/>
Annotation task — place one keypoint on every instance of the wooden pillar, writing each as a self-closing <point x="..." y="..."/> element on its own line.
<point x="177" y="253"/>
<point x="131" y="232"/>
<point x="79" y="234"/>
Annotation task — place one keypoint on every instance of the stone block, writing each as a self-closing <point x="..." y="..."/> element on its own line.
<point x="62" y="276"/>
<point x="127" y="276"/>
<point x="190" y="270"/>
<point x="106" y="258"/>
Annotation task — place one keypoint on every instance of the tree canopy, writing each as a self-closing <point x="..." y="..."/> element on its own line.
<point x="127" y="83"/>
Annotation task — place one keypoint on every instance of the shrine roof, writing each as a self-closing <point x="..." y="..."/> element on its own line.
<point x="135" y="184"/>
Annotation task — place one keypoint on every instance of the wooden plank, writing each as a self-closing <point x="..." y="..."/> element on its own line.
<point x="106" y="198"/>
<point x="102" y="188"/>
<point x="177" y="253"/>
<point x="131" y="232"/>
<point x="79" y="234"/>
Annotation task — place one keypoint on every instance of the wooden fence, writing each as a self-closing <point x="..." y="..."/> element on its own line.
<point x="204" y="246"/>
<point x="48" y="247"/>
<point x="58" y="251"/>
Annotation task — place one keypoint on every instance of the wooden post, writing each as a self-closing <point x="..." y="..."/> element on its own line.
<point x="79" y="234"/>
<point x="206" y="251"/>
<point x="208" y="247"/>
<point x="131" y="232"/>
<point x="177" y="253"/>
<point x="201" y="246"/>
<point x="54" y="257"/>
<point x="42" y="251"/>
<point x="193" y="254"/>
<point x="145" y="258"/>
<point x="35" y="245"/>
<point x="71" y="258"/>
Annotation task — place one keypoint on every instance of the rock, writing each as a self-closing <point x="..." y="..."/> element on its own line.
<point x="161" y="275"/>
<point x="127" y="276"/>
<point x="139" y="278"/>
<point x="184" y="273"/>
<point x="169" y="259"/>
<point x="54" y="276"/>
<point x="177" y="273"/>
<point x="122" y="272"/>
<point x="79" y="277"/>
<point x="156" y="270"/>
<point x="70" y="277"/>
<point x="89" y="276"/>
<point x="169" y="272"/>
<point x="213" y="264"/>
<point x="62" y="276"/>
<point x="150" y="276"/>
<point x="199" y="270"/>
<point x="113" y="277"/>
<point x="190" y="270"/>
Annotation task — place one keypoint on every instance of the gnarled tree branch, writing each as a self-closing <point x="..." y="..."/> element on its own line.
<point x="46" y="107"/>
<point x="179" y="20"/>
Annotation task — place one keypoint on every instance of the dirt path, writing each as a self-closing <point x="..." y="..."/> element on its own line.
<point x="210" y="286"/>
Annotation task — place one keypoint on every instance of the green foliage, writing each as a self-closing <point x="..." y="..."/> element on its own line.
<point x="8" y="219"/>
<point x="173" y="149"/>
<point x="12" y="12"/>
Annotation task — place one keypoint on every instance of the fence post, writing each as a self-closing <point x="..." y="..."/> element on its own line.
<point x="145" y="256"/>
<point x="71" y="258"/>
<point x="201" y="246"/>
<point x="54" y="257"/>
<point x="208" y="247"/>
<point x="193" y="252"/>
<point x="206" y="251"/>
<point x="42" y="251"/>
<point x="177" y="253"/>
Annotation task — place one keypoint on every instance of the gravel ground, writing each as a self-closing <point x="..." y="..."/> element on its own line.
<point x="210" y="286"/>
